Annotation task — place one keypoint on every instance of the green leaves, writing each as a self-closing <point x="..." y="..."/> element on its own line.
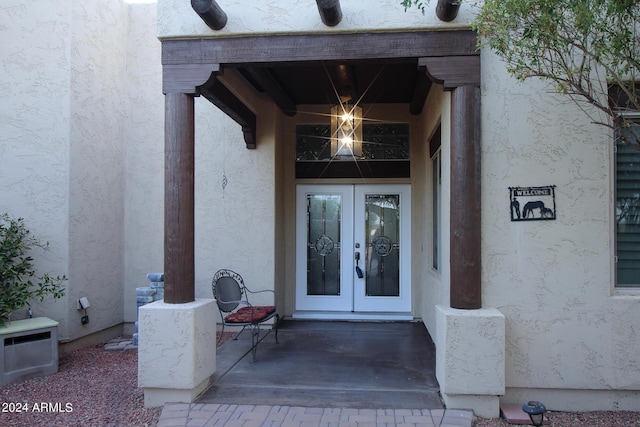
<point x="582" y="46"/>
<point x="18" y="284"/>
<point x="589" y="50"/>
<point x="417" y="3"/>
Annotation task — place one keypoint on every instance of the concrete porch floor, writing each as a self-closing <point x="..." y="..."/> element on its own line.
<point x="330" y="364"/>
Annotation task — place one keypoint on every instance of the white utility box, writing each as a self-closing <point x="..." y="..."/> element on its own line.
<point x="29" y="349"/>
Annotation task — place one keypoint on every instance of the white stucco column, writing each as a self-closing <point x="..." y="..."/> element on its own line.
<point x="470" y="359"/>
<point x="176" y="350"/>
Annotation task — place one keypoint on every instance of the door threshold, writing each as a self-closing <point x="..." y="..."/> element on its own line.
<point x="348" y="315"/>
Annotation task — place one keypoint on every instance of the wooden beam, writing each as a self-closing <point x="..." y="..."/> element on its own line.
<point x="330" y="12"/>
<point x="453" y="71"/>
<point x="346" y="83"/>
<point x="321" y="47"/>
<point x="465" y="241"/>
<point x="231" y="105"/>
<point x="420" y="92"/>
<point x="357" y="169"/>
<point x="211" y="13"/>
<point x="272" y="87"/>
<point x="187" y="78"/>
<point x="447" y="10"/>
<point x="201" y="79"/>
<point x="179" y="222"/>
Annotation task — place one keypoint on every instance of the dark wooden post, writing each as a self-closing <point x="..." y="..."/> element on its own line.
<point x="210" y="13"/>
<point x="447" y="10"/>
<point x="465" y="198"/>
<point x="179" y="224"/>
<point x="461" y="75"/>
<point x="330" y="12"/>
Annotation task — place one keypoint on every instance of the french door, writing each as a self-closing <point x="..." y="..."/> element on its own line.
<point x="353" y="248"/>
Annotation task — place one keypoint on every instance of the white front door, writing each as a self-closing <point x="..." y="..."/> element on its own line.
<point x="353" y="248"/>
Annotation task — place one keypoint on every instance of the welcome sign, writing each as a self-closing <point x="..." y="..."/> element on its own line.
<point x="532" y="203"/>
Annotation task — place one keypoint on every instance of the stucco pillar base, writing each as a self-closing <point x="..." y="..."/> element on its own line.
<point x="176" y="350"/>
<point x="470" y="359"/>
<point x="482" y="406"/>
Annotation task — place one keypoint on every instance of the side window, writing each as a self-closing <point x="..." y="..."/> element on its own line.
<point x="627" y="208"/>
<point x="436" y="191"/>
<point x="436" y="196"/>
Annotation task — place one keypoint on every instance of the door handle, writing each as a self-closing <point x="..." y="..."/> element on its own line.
<point x="358" y="269"/>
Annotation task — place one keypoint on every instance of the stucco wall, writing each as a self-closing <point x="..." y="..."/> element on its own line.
<point x="434" y="284"/>
<point x="143" y="132"/>
<point x="96" y="168"/>
<point x="235" y="197"/>
<point x="176" y="18"/>
<point x="235" y="194"/>
<point x="566" y="327"/>
<point x="63" y="110"/>
<point x="34" y="138"/>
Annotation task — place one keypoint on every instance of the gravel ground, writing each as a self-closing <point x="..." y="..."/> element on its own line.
<point x="92" y="388"/>
<point x="97" y="388"/>
<point x="577" y="419"/>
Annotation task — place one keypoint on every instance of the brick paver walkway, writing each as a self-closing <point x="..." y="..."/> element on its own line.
<point x="220" y="415"/>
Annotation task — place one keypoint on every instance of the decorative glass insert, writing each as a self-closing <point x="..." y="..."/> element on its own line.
<point x="385" y="141"/>
<point x="313" y="142"/>
<point x="382" y="248"/>
<point x="323" y="244"/>
<point x="380" y="141"/>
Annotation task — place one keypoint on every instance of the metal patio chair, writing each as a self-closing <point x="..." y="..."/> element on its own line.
<point x="230" y="293"/>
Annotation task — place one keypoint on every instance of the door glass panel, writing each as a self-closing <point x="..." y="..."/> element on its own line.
<point x="323" y="244"/>
<point x="382" y="249"/>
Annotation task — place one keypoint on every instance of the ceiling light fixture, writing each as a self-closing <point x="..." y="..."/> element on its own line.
<point x="346" y="132"/>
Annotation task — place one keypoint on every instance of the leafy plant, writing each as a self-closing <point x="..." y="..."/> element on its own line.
<point x="417" y="3"/>
<point x="588" y="49"/>
<point x="584" y="47"/>
<point x="18" y="281"/>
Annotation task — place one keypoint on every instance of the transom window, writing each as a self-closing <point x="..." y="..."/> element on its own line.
<point x="385" y="152"/>
<point x="380" y="141"/>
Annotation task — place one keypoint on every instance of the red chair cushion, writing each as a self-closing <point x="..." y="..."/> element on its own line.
<point x="244" y="315"/>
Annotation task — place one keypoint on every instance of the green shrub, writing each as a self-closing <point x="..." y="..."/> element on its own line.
<point x="18" y="283"/>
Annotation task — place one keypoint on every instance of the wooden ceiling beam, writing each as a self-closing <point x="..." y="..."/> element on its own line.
<point x="420" y="91"/>
<point x="346" y="83"/>
<point x="321" y="47"/>
<point x="452" y="71"/>
<point x="211" y="13"/>
<point x="216" y="92"/>
<point x="330" y="12"/>
<point x="447" y="10"/>
<point x="272" y="87"/>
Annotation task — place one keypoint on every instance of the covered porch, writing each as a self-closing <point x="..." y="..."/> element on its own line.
<point x="261" y="82"/>
<point x="325" y="363"/>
